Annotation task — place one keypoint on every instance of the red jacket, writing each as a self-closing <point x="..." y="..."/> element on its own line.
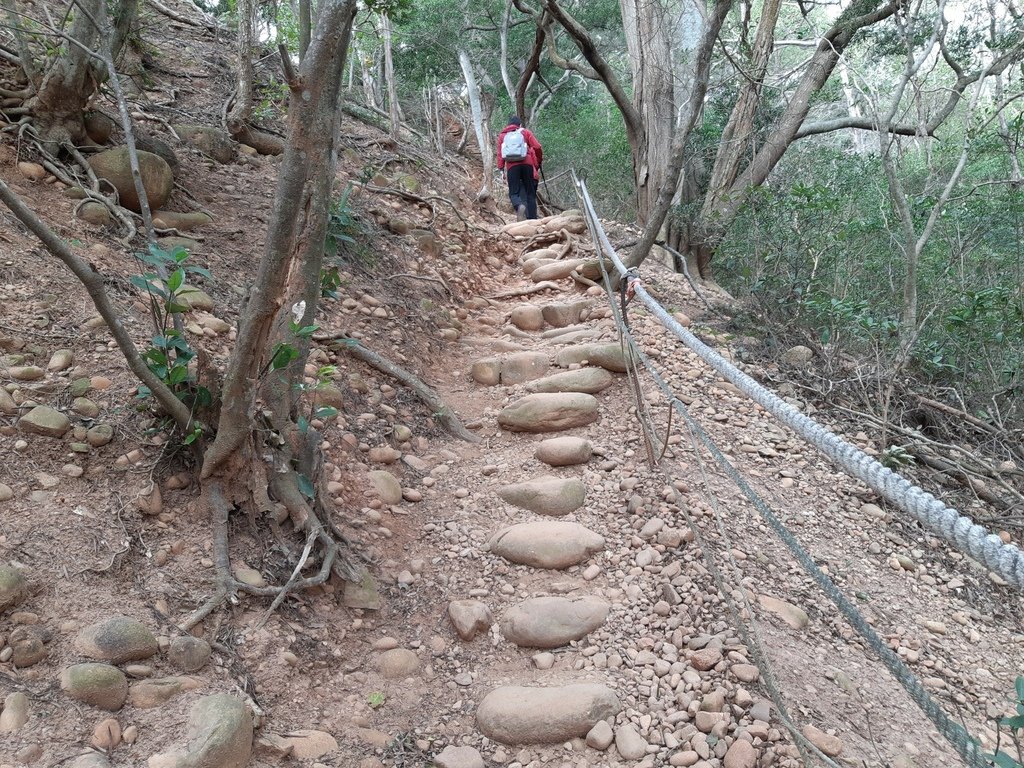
<point x="534" y="151"/>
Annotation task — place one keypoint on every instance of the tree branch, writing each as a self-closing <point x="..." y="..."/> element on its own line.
<point x="587" y="46"/>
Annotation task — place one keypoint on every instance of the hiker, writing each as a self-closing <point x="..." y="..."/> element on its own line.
<point x="519" y="158"/>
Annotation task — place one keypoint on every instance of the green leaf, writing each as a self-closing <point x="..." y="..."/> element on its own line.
<point x="145" y="283"/>
<point x="1014" y="723"/>
<point x="1019" y="685"/>
<point x="303" y="424"/>
<point x="179" y="253"/>
<point x="284" y="354"/>
<point x="325" y="412"/>
<point x="178" y="308"/>
<point x="179" y="373"/>
<point x="144" y="391"/>
<point x="307" y="331"/>
<point x="306" y="486"/>
<point x="157" y="256"/>
<point x="191" y="438"/>
<point x="175" y="281"/>
<point x="202" y="271"/>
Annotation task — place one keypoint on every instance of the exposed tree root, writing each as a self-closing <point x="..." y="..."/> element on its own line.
<point x="424" y="201"/>
<point x="428" y="396"/>
<point x="546" y="285"/>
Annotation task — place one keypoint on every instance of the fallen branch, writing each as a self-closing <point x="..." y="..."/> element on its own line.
<point x="175" y="16"/>
<point x="428" y="396"/>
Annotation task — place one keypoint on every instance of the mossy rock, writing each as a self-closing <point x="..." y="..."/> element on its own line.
<point x="115" y="167"/>
<point x="99" y="127"/>
<point x="212" y="142"/>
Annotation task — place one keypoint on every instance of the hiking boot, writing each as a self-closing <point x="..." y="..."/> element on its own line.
<point x="521" y="213"/>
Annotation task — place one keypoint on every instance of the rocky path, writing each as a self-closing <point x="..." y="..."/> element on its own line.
<point x="590" y="630"/>
<point x="545" y="595"/>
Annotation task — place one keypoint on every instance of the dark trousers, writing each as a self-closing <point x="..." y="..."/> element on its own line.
<point x="522" y="188"/>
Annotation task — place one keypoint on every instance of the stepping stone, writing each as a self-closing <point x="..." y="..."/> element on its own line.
<point x="551" y="622"/>
<point x="535" y="263"/>
<point x="527" y="317"/>
<point x="546" y="495"/>
<point x="552" y="544"/>
<point x="555" y="271"/>
<point x="589" y="380"/>
<point x="513" y="369"/>
<point x="561" y="315"/>
<point x="608" y="356"/>
<point x="549" y="412"/>
<point x="553" y="333"/>
<point x="575" y="337"/>
<point x="564" y="451"/>
<point x="524" y="366"/>
<point x="516" y="715"/>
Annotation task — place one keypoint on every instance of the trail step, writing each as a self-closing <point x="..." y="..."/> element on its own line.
<point x="549" y="544"/>
<point x="554" y="621"/>
<point x="516" y="715"/>
<point x="589" y="380"/>
<point x="555" y="496"/>
<point x="549" y="412"/>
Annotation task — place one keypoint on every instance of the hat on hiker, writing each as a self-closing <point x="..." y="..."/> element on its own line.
<point x="514" y="120"/>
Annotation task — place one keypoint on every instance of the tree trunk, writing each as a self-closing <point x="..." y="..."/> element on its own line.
<point x="244" y="460"/>
<point x="125" y="14"/>
<point x="389" y="76"/>
<point x="647" y="29"/>
<point x="482" y="139"/>
<point x="305" y="26"/>
<point x="68" y="85"/>
<point x="241" y="110"/>
<point x="671" y="188"/>
<point x="503" y="60"/>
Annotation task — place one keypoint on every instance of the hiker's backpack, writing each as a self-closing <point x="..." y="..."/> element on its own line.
<point x="513" y="146"/>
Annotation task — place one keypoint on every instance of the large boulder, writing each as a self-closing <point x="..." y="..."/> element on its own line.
<point x="517" y="715"/>
<point x="546" y="495"/>
<point x="549" y="412"/>
<point x="159" y="147"/>
<point x="607" y="356"/>
<point x="219" y="736"/>
<point x="117" y="640"/>
<point x="212" y="142"/>
<point x="552" y="544"/>
<point x="590" y="380"/>
<point x="157" y="177"/>
<point x="551" y="622"/>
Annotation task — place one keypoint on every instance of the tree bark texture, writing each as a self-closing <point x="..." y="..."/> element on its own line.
<point x="482" y="138"/>
<point x="295" y="237"/>
<point x="70" y="82"/>
<point x="647" y="27"/>
<point x="241" y="110"/>
<point x="394" y="115"/>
